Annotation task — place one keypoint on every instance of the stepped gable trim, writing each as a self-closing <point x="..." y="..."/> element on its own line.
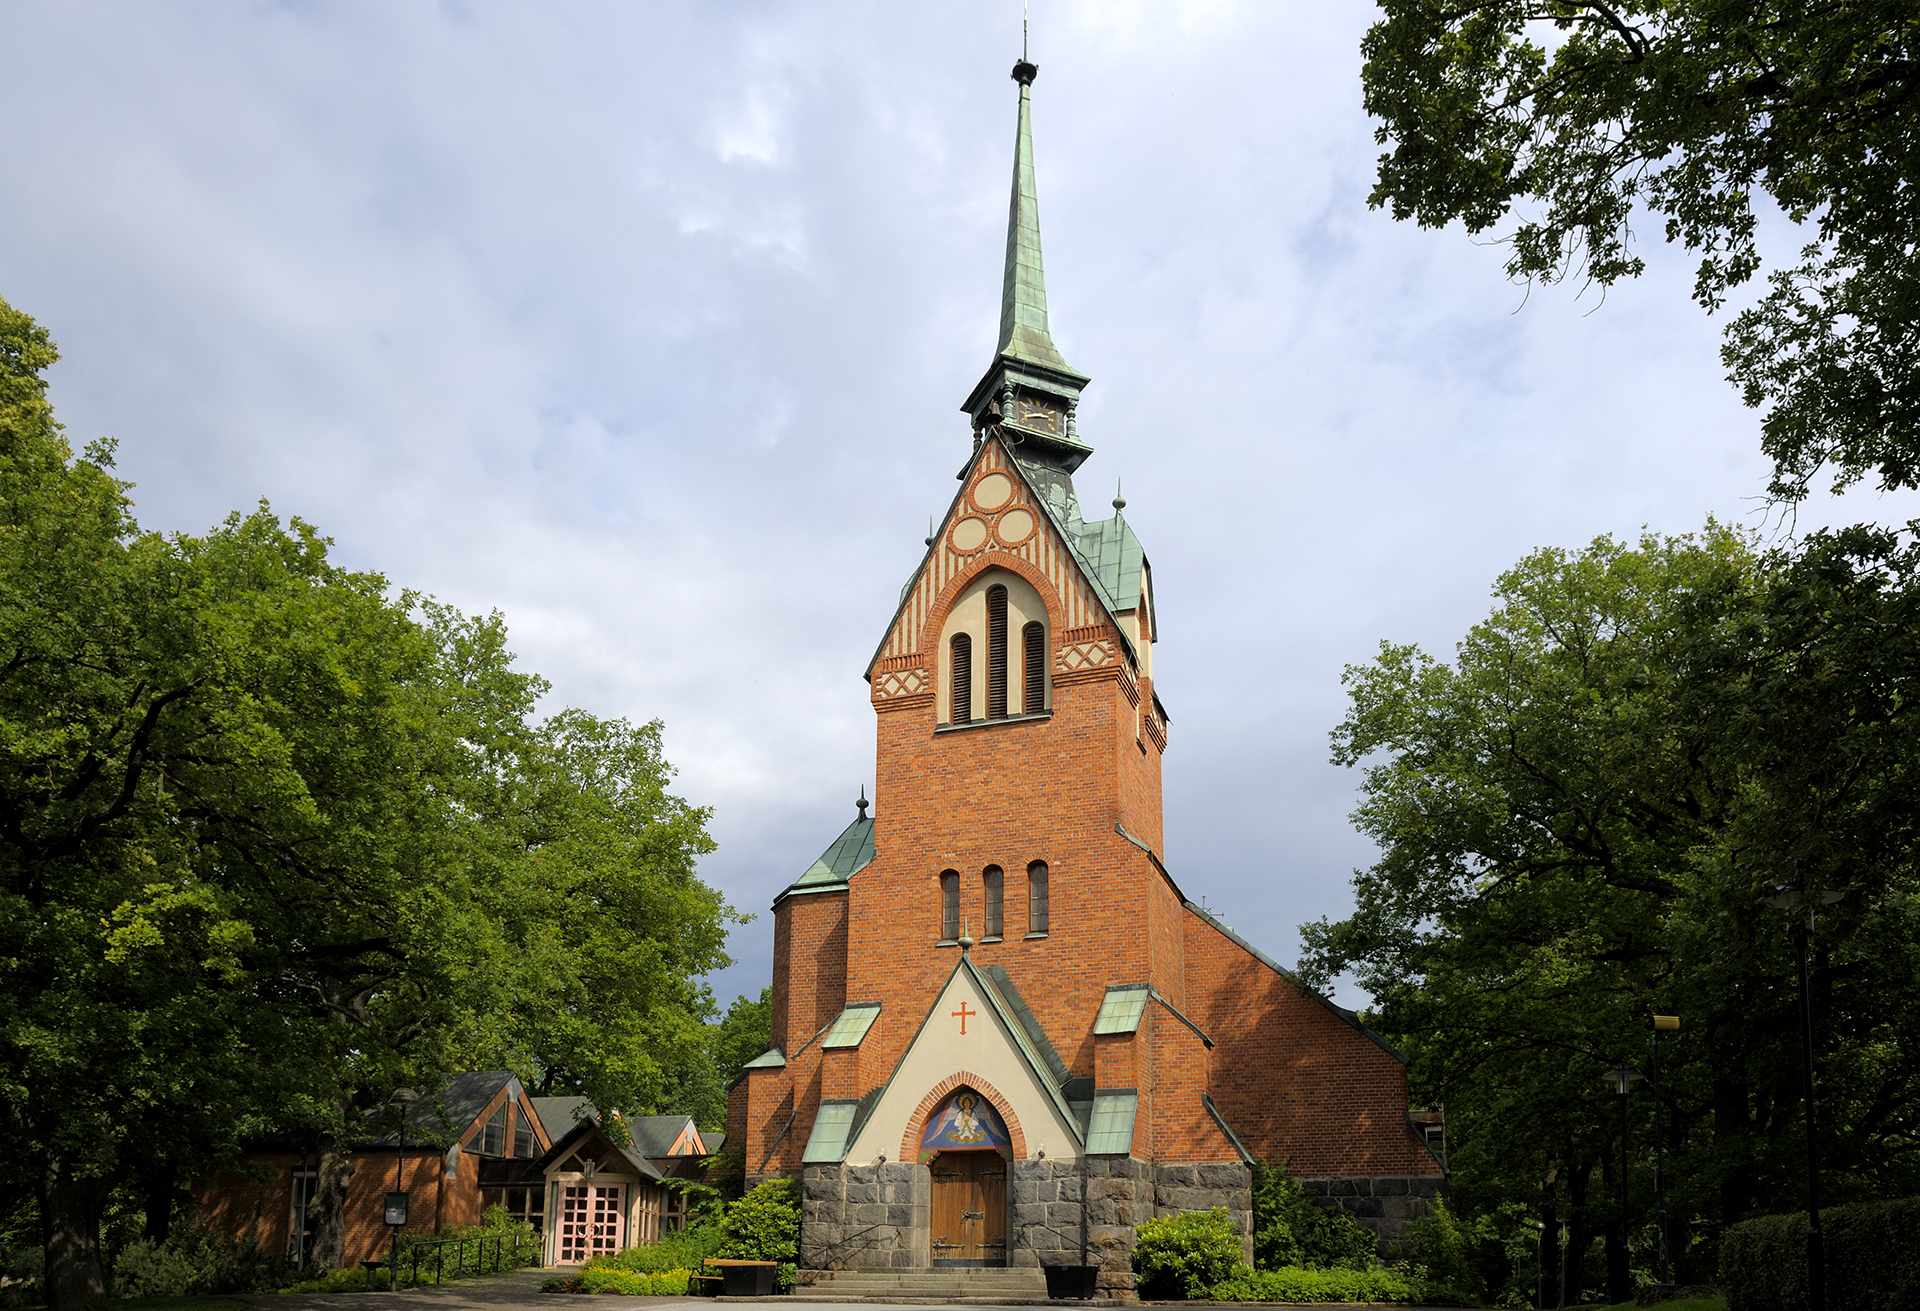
<point x="1294" y="979"/>
<point x="917" y="1122"/>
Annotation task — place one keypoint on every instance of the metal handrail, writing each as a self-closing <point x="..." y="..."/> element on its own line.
<point x="502" y="1256"/>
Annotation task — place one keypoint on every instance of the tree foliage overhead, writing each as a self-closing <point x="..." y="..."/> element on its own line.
<point x="1563" y="119"/>
<point x="1579" y="819"/>
<point x="277" y="840"/>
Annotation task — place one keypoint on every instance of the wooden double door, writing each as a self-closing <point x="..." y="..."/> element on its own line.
<point x="969" y="1212"/>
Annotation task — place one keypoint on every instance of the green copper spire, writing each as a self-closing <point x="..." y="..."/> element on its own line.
<point x="1029" y="393"/>
<point x="1023" y="298"/>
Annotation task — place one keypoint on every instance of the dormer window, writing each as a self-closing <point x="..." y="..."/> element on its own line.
<point x="994" y="882"/>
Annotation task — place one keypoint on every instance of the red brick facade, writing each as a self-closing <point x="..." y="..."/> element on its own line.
<point x="1079" y="789"/>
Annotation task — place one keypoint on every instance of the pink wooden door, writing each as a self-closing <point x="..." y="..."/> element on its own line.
<point x="574" y="1224"/>
<point x="609" y="1214"/>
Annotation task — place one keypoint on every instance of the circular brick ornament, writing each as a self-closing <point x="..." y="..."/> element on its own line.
<point x="969" y="534"/>
<point x="993" y="491"/>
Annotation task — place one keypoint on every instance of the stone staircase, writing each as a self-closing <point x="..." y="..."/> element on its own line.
<point x="996" y="1286"/>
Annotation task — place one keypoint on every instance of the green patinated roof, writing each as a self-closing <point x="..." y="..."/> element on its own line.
<point x="1114" y="556"/>
<point x="850" y="1027"/>
<point x="850" y="853"/>
<point x="1111" y="1133"/>
<point x="1121" y="1008"/>
<point x="1023" y="298"/>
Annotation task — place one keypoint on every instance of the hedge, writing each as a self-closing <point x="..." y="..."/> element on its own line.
<point x="1872" y="1259"/>
<point x="1294" y="1284"/>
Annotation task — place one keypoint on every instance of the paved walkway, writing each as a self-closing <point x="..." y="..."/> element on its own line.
<point x="519" y="1290"/>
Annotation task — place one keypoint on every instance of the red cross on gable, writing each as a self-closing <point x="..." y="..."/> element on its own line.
<point x="964" y="1015"/>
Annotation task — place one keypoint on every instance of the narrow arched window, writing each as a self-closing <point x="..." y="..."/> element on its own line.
<point x="961" y="709"/>
<point x="996" y="652"/>
<point x="1034" y="638"/>
<point x="949" y="905"/>
<point x="1037" y="897"/>
<point x="995" y="881"/>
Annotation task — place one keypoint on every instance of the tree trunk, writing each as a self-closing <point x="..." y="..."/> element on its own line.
<point x="1549" y="1250"/>
<point x="330" y="1205"/>
<point x="1580" y="1232"/>
<point x="1618" y="1278"/>
<point x="1732" y="1130"/>
<point x="71" y="1204"/>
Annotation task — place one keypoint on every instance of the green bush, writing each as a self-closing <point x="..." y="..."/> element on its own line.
<point x="1186" y="1254"/>
<point x="194" y="1259"/>
<point x="1872" y="1259"/>
<point x="1294" y="1284"/>
<point x="664" y="1283"/>
<point x="1290" y="1229"/>
<point x="686" y="1249"/>
<point x="1441" y="1249"/>
<point x="764" y="1225"/>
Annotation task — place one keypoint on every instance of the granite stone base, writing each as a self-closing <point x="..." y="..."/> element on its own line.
<point x="865" y="1217"/>
<point x="1203" y="1186"/>
<point x="1071" y="1217"/>
<point x="1383" y="1203"/>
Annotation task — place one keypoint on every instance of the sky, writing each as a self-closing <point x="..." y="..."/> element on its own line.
<point x="647" y="325"/>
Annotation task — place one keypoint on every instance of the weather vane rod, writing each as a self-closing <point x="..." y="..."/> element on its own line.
<point x="1023" y="31"/>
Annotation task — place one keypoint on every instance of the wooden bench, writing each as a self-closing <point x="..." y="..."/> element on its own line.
<point x="744" y="1278"/>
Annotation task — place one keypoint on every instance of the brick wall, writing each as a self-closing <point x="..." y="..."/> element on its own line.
<point x="1296" y="1081"/>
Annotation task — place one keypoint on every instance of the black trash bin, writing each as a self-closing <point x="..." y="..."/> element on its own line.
<point x="749" y="1280"/>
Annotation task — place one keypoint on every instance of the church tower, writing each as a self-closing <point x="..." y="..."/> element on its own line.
<point x="1001" y="1036"/>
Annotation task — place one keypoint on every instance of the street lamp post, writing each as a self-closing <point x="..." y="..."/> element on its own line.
<point x="1791" y="897"/>
<point x="1660" y="1024"/>
<point x="396" y="1207"/>
<point x="1620" y="1079"/>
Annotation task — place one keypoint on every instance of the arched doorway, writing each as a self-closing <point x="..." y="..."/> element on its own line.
<point x="965" y="1147"/>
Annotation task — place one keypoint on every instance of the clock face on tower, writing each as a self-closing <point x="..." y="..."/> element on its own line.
<point x="1038" y="414"/>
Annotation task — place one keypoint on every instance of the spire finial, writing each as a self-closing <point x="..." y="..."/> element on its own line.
<point x="1119" y="501"/>
<point x="863" y="803"/>
<point x="1023" y="31"/>
<point x="929" y="530"/>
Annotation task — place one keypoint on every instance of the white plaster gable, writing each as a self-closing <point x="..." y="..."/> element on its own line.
<point x="989" y="1050"/>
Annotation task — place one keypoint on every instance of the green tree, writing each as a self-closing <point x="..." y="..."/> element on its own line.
<point x="1578" y="820"/>
<point x="1578" y="114"/>
<point x="276" y="841"/>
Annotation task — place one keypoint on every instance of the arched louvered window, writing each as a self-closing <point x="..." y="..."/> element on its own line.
<point x="1037" y="897"/>
<point x="995" y="885"/>
<point x="996" y="652"/>
<point x="949" y="905"/>
<point x="1033" y="639"/>
<point x="961" y="709"/>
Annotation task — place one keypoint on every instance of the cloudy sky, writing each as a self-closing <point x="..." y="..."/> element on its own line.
<point x="648" y="325"/>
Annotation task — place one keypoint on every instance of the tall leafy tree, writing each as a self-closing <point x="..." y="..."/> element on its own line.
<point x="1579" y="818"/>
<point x="277" y="841"/>
<point x="1557" y="122"/>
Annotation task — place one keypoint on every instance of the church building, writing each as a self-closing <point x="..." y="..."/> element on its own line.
<point x="1001" y="1034"/>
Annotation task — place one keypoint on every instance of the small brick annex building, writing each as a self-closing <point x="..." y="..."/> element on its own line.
<point x="1000" y="1033"/>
